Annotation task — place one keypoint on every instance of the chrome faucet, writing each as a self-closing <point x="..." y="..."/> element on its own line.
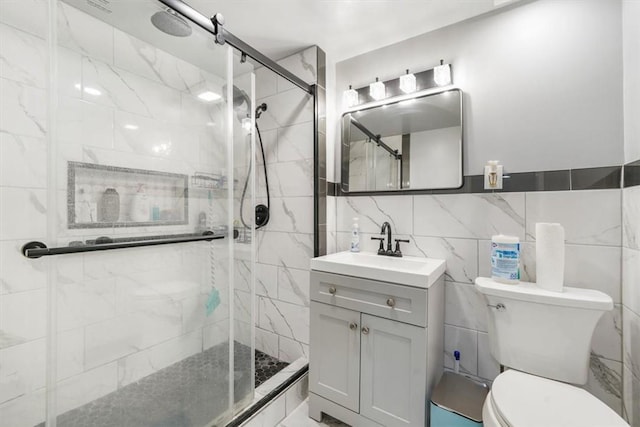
<point x="389" y="252"/>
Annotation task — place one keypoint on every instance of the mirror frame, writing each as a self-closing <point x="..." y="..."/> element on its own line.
<point x="345" y="145"/>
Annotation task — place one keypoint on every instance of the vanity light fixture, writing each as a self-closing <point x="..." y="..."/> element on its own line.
<point x="408" y="83"/>
<point x="442" y="74"/>
<point x="350" y="97"/>
<point x="377" y="90"/>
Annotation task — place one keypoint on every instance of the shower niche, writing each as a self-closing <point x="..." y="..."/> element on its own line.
<point x="110" y="196"/>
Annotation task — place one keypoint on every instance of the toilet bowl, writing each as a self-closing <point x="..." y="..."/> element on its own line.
<point x="518" y="399"/>
<point x="544" y="339"/>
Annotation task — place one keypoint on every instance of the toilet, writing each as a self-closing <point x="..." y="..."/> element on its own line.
<point x="543" y="339"/>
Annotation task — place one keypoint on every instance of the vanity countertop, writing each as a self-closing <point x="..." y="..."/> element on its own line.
<point x="408" y="270"/>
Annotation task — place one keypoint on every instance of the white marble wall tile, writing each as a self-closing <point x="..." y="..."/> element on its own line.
<point x="373" y="211"/>
<point x="22" y="317"/>
<point x="23" y="109"/>
<point x="20" y="274"/>
<point x="607" y="336"/>
<point x="26" y="410"/>
<point x="466" y="342"/>
<point x="23" y="161"/>
<point x="214" y="334"/>
<point x="85" y="123"/>
<point x="23" y="57"/>
<point x="631" y="217"/>
<point x="303" y="64"/>
<point x="69" y="78"/>
<point x="70" y="353"/>
<point x="143" y="59"/>
<point x="464" y="307"/>
<point x="86" y="387"/>
<point x="477" y="216"/>
<point x="294" y="285"/>
<point x="267" y="342"/>
<point x="266" y="280"/>
<point x="631" y="338"/>
<point x="154" y="322"/>
<point x="295" y="142"/>
<point x="23" y="369"/>
<point x="488" y="367"/>
<point x="27" y="15"/>
<point x="128" y="92"/>
<point x="85" y="34"/>
<point x="588" y="217"/>
<point x="293" y="250"/>
<point x="242" y="275"/>
<point x="631" y="397"/>
<point x="461" y="255"/>
<point x="242" y="307"/>
<point x="605" y="382"/>
<point x="291" y="214"/>
<point x="288" y="179"/>
<point x="286" y="109"/>
<point x="81" y="304"/>
<point x="285" y="319"/>
<point x="270" y="415"/>
<point x="137" y="366"/>
<point x="291" y="350"/>
<point x="631" y="279"/>
<point x="265" y="83"/>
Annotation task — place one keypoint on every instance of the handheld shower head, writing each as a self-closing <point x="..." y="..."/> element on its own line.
<point x="261" y="109"/>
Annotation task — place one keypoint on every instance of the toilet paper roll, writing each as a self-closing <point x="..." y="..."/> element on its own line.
<point x="550" y="256"/>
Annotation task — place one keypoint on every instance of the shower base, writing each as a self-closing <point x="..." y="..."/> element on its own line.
<point x="189" y="393"/>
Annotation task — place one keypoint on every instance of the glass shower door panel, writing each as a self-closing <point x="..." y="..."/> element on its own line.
<point x="142" y="335"/>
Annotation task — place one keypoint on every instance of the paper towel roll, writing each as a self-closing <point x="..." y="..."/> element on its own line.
<point x="550" y="256"/>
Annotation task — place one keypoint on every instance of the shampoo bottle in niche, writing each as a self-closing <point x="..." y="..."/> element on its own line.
<point x="505" y="259"/>
<point x="355" y="236"/>
<point x="140" y="205"/>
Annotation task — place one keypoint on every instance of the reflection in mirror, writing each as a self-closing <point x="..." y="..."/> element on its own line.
<point x="404" y="145"/>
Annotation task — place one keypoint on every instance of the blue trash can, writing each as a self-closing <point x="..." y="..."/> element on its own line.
<point x="457" y="402"/>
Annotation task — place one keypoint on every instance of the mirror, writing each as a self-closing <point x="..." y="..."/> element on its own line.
<point x="411" y="144"/>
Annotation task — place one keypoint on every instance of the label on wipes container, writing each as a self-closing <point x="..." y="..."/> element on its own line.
<point x="505" y="262"/>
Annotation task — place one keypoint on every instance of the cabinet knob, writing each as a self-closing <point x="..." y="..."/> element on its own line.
<point x="353" y="326"/>
<point x="365" y="330"/>
<point x="391" y="302"/>
<point x="332" y="290"/>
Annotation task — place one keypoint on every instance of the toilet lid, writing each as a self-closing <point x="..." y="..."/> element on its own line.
<point x="524" y="400"/>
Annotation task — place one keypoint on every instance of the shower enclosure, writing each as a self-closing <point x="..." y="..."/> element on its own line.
<point x="149" y="297"/>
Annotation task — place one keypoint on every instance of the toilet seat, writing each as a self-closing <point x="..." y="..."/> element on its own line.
<point x="523" y="400"/>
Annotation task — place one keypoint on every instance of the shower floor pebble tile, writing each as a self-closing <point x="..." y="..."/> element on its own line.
<point x="300" y="418"/>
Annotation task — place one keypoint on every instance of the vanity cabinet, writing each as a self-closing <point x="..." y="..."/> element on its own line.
<point x="376" y="349"/>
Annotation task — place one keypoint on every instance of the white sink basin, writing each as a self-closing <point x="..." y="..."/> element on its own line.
<point x="408" y="270"/>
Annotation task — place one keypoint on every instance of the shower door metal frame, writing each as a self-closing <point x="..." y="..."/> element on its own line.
<point x="228" y="37"/>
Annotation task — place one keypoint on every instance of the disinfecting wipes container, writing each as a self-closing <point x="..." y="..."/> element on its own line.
<point x="505" y="259"/>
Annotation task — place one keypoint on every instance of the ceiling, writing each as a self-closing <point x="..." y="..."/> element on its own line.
<point x="342" y="28"/>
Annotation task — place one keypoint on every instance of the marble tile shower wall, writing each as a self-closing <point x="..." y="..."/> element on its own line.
<point x="458" y="228"/>
<point x="120" y="316"/>
<point x="631" y="303"/>
<point x="285" y="245"/>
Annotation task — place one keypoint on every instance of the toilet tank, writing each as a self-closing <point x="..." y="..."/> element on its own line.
<point x="542" y="332"/>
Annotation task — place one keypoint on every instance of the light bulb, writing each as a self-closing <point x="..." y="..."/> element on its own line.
<point x="442" y="74"/>
<point x="350" y="97"/>
<point x="408" y="83"/>
<point x="377" y="90"/>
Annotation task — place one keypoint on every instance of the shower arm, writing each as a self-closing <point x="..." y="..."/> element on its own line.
<point x="215" y="26"/>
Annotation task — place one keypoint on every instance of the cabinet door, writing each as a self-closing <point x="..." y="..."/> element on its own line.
<point x="393" y="372"/>
<point x="334" y="356"/>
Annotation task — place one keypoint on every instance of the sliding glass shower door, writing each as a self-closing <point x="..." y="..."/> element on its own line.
<point x="150" y="141"/>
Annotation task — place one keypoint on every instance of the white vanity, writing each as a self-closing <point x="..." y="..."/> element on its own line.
<point x="377" y="338"/>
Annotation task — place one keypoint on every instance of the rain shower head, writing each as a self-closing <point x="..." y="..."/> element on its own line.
<point x="169" y="22"/>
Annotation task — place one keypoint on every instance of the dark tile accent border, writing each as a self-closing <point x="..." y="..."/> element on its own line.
<point x="608" y="177"/>
<point x="632" y="174"/>
<point x="320" y="187"/>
